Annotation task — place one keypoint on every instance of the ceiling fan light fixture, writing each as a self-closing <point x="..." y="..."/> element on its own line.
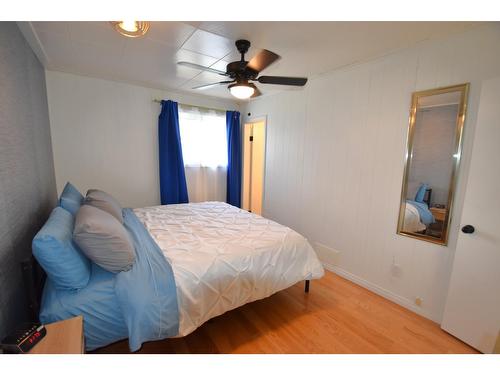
<point x="242" y="90"/>
<point x="131" y="29"/>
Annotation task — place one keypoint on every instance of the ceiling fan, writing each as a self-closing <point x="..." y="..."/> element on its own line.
<point x="243" y="73"/>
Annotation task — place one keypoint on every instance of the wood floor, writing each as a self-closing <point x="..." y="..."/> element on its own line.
<point x="337" y="316"/>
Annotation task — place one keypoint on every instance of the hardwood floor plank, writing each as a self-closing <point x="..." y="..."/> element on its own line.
<point x="337" y="316"/>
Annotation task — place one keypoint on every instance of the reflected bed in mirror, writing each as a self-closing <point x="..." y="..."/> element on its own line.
<point x="432" y="160"/>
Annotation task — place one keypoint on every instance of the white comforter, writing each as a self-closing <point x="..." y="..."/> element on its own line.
<point x="223" y="257"/>
<point x="412" y="221"/>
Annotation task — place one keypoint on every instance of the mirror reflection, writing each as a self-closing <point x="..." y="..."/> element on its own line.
<point x="432" y="160"/>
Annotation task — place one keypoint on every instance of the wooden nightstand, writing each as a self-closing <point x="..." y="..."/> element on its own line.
<point x="64" y="337"/>
<point x="438" y="213"/>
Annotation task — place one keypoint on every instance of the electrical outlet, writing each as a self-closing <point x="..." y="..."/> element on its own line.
<point x="418" y="301"/>
<point x="396" y="269"/>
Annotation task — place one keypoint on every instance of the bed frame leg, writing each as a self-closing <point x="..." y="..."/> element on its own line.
<point x="306" y="289"/>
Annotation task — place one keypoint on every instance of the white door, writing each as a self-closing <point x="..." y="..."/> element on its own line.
<point x="472" y="310"/>
<point x="258" y="162"/>
<point x="247" y="167"/>
<point x="254" y="146"/>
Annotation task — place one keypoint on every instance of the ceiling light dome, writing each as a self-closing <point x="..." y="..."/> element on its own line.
<point x="131" y="29"/>
<point x="242" y="90"/>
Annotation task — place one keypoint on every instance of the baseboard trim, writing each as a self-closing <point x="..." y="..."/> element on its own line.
<point x="402" y="301"/>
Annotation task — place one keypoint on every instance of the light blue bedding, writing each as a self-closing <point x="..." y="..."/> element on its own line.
<point x="426" y="216"/>
<point x="97" y="303"/>
<point x="140" y="304"/>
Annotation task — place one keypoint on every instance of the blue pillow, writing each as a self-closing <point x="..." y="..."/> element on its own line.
<point x="71" y="199"/>
<point x="419" y="197"/>
<point x="53" y="247"/>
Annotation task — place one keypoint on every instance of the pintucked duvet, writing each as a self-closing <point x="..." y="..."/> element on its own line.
<point x="223" y="257"/>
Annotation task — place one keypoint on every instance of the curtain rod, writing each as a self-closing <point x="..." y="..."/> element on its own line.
<point x="192" y="105"/>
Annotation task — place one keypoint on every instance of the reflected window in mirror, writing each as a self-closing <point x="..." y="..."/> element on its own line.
<point x="432" y="162"/>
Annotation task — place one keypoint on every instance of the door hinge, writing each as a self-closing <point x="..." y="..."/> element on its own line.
<point x="251" y="138"/>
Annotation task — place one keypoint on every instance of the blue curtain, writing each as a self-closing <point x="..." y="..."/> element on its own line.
<point x="173" y="188"/>
<point x="233" y="158"/>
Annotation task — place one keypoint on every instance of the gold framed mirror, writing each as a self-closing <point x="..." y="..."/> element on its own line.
<point x="433" y="151"/>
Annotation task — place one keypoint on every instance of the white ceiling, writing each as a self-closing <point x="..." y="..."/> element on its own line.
<point x="307" y="48"/>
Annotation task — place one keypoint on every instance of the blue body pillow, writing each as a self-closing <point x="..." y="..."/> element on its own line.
<point x="54" y="249"/>
<point x="71" y="199"/>
<point x="419" y="197"/>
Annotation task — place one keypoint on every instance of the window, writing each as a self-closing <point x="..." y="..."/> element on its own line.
<point x="203" y="137"/>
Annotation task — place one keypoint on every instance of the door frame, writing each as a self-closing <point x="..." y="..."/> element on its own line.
<point x="253" y="120"/>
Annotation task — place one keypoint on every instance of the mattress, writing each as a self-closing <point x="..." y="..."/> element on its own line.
<point x="224" y="257"/>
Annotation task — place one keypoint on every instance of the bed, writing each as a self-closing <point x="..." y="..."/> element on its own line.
<point x="417" y="217"/>
<point x="193" y="262"/>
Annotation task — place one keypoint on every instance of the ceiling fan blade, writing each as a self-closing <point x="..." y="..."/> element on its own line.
<point x="290" y="81"/>
<point x="262" y="60"/>
<point x="203" y="87"/>
<point x="201" y="67"/>
<point x="256" y="93"/>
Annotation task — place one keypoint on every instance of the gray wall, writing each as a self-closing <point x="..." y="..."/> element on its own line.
<point x="433" y="149"/>
<point x="27" y="180"/>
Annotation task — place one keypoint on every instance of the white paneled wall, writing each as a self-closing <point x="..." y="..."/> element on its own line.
<point x="335" y="157"/>
<point x="105" y="135"/>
